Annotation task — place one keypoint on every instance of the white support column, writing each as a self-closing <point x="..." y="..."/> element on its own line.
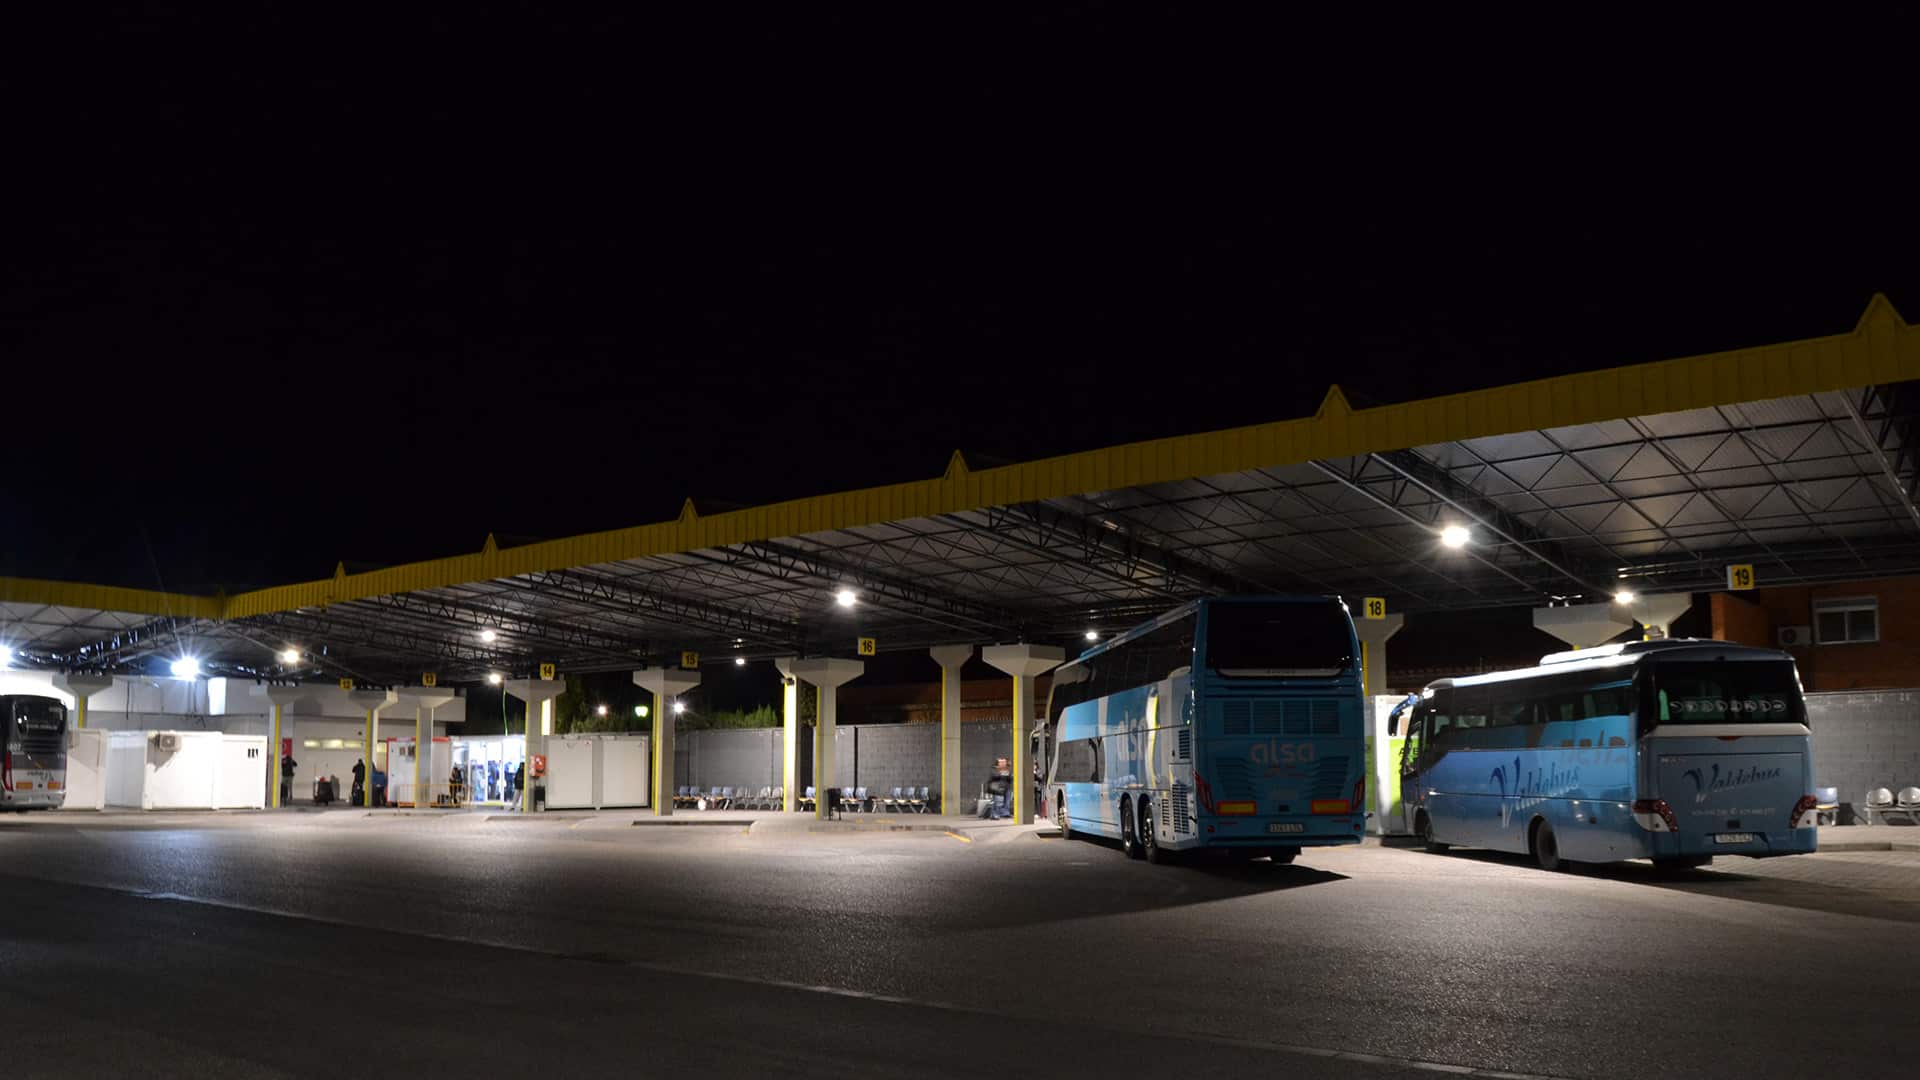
<point x="951" y="658"/>
<point x="1024" y="663"/>
<point x="829" y="675"/>
<point x="1583" y="625"/>
<point x="425" y="701"/>
<point x="667" y="685"/>
<point x="371" y="702"/>
<point x="790" y="733"/>
<point x="539" y="695"/>
<point x="82" y="687"/>
<point x="281" y="697"/>
<point x="1373" y="634"/>
<point x="1656" y="613"/>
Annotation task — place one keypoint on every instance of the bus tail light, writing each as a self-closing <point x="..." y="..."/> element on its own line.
<point x="1654" y="815"/>
<point x="1332" y="806"/>
<point x="1804" y="814"/>
<point x="1241" y="807"/>
<point x="1360" y="793"/>
<point x="6" y="769"/>
<point x="1204" y="790"/>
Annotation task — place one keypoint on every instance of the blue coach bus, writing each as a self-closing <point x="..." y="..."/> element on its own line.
<point x="1230" y="723"/>
<point x="1674" y="751"/>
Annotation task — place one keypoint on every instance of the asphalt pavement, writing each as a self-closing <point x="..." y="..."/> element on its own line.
<point x="343" y="944"/>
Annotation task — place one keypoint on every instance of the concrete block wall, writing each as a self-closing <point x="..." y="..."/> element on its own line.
<point x="878" y="757"/>
<point x="741" y="757"/>
<point x="1865" y="739"/>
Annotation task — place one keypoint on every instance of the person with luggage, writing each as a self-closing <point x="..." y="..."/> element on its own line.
<point x="359" y="782"/>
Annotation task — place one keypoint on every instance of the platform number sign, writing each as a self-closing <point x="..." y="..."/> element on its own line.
<point x="428" y="678"/>
<point x="867" y="646"/>
<point x="1740" y="576"/>
<point x="1373" y="607"/>
<point x="546" y="671"/>
<point x="346" y="684"/>
<point x="689" y="660"/>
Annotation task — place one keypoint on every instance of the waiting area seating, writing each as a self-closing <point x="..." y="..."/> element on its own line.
<point x="899" y="800"/>
<point x="1882" y="806"/>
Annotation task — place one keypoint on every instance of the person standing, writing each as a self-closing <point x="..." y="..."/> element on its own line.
<point x="359" y="781"/>
<point x="287" y="765"/>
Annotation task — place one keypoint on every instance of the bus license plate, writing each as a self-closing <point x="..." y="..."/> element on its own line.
<point x="1733" y="838"/>
<point x="1286" y="826"/>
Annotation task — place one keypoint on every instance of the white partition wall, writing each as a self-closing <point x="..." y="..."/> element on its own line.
<point x="624" y="760"/>
<point x="86" y="770"/>
<point x="1384" y="810"/>
<point x="186" y="770"/>
<point x="596" y="771"/>
<point x="572" y="772"/>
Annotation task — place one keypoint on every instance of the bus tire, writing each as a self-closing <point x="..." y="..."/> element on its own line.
<point x="1060" y="815"/>
<point x="1281" y="856"/>
<point x="1546" y="846"/>
<point x="1129" y="837"/>
<point x="1424" y="826"/>
<point x="1149" y="840"/>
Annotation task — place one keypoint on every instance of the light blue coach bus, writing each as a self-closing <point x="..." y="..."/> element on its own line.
<point x="1231" y="723"/>
<point x="1674" y="751"/>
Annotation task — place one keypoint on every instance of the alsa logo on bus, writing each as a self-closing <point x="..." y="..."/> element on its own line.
<point x="1708" y="784"/>
<point x="1275" y="752"/>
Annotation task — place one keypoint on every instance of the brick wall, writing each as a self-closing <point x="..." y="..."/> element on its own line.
<point x="1862" y="741"/>
<point x="1751" y="618"/>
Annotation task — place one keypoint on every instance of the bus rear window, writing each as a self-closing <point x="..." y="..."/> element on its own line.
<point x="1726" y="692"/>
<point x="1278" y="639"/>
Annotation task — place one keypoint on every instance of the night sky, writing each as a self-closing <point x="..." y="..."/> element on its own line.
<point x="283" y="288"/>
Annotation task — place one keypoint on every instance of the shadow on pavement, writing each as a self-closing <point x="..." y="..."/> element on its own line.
<point x="1725" y="879"/>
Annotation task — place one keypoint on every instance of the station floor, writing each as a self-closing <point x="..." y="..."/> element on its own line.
<point x="247" y="944"/>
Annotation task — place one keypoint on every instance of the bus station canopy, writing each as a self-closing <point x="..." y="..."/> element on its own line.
<point x="1798" y="459"/>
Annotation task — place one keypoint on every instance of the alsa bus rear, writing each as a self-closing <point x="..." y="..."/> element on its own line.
<point x="1231" y="723"/>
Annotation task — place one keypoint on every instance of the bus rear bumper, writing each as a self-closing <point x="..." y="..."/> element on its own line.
<point x="1763" y="845"/>
<point x="1244" y="832"/>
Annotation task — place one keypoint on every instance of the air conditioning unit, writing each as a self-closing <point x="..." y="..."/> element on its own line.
<point x="167" y="741"/>
<point x="1790" y="636"/>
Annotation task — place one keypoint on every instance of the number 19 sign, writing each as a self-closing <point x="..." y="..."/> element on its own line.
<point x="1740" y="576"/>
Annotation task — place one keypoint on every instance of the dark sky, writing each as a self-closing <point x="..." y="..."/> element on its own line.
<point x="283" y="288"/>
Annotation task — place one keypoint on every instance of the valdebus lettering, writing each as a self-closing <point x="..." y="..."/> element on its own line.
<point x="1275" y="752"/>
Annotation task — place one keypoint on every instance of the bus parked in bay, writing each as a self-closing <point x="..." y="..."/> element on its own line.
<point x="33" y="756"/>
<point x="1229" y="723"/>
<point x="1674" y="751"/>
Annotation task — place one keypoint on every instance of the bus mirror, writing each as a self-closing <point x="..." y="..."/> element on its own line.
<point x="1393" y="723"/>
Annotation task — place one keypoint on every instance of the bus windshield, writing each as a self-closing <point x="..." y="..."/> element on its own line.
<point x="1278" y="639"/>
<point x="1726" y="692"/>
<point x="39" y="715"/>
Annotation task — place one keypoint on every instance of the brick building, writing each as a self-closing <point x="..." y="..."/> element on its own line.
<point x="1860" y="635"/>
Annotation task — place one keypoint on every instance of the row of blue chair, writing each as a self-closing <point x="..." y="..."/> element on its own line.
<point x="731" y="798"/>
<point x="903" y="800"/>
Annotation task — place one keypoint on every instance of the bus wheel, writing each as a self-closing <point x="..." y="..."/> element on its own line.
<point x="1129" y="838"/>
<point x="1434" y="847"/>
<point x="1156" y="854"/>
<point x="1281" y="856"/>
<point x="1060" y="815"/>
<point x="1546" y="849"/>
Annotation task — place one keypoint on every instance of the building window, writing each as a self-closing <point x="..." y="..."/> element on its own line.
<point x="1840" y="622"/>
